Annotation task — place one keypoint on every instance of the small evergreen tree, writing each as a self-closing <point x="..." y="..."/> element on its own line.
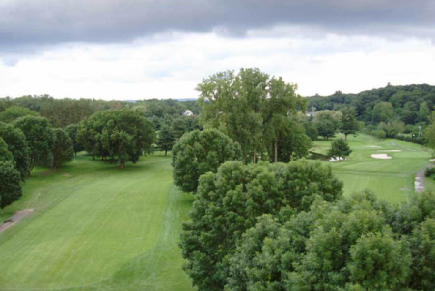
<point x="166" y="139"/>
<point x="10" y="188"/>
<point x="339" y="149"/>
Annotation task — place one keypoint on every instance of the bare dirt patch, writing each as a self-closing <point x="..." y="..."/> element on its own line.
<point x="14" y="219"/>
<point x="381" y="157"/>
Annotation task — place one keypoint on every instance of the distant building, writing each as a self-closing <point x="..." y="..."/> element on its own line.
<point x="188" y="113"/>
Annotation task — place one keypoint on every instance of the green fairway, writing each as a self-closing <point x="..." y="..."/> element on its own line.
<point x="96" y="227"/>
<point x="392" y="179"/>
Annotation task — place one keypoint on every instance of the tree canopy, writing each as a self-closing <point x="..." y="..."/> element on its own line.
<point x="39" y="139"/>
<point x="10" y="188"/>
<point x="122" y="135"/>
<point x="230" y="201"/>
<point x="16" y="142"/>
<point x="13" y="113"/>
<point x="249" y="107"/>
<point x="166" y="139"/>
<point x="199" y="152"/>
<point x="63" y="151"/>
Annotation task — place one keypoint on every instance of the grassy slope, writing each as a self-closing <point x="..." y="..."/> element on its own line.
<point x="97" y="228"/>
<point x="392" y="180"/>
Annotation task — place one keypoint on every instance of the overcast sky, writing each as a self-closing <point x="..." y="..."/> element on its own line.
<point x="132" y="49"/>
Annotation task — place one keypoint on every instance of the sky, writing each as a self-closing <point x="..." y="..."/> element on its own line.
<point x="141" y="49"/>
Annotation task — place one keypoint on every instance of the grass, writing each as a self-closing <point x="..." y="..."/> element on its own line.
<point x="96" y="227"/>
<point x="392" y="180"/>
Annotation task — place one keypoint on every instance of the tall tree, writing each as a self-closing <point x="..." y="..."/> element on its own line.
<point x="63" y="151"/>
<point x="5" y="154"/>
<point x="382" y="112"/>
<point x="166" y="139"/>
<point x="327" y="123"/>
<point x="39" y="139"/>
<point x="10" y="188"/>
<point x="16" y="141"/>
<point x="245" y="105"/>
<point x="349" y="123"/>
<point x="72" y="130"/>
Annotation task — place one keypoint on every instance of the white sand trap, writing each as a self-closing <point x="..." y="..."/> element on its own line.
<point x="432" y="160"/>
<point x="336" y="159"/>
<point x="390" y="151"/>
<point x="382" y="157"/>
<point x="371" y="146"/>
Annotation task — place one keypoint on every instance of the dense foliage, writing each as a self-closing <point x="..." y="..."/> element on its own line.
<point x="63" y="150"/>
<point x="199" y="152"/>
<point x="228" y="203"/>
<point x="250" y="107"/>
<point x="16" y="142"/>
<point x="357" y="243"/>
<point x="5" y="154"/>
<point x="166" y="139"/>
<point x="72" y="130"/>
<point x="121" y="135"/>
<point x="339" y="149"/>
<point x="13" y="113"/>
<point x="39" y="139"/>
<point x="10" y="188"/>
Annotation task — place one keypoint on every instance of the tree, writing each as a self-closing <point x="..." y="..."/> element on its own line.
<point x="63" y="151"/>
<point x="310" y="129"/>
<point x="423" y="113"/>
<point x="294" y="144"/>
<point x="122" y="135"/>
<point x="327" y="123"/>
<point x="166" y="139"/>
<point x="16" y="142"/>
<point x="248" y="107"/>
<point x="13" y="113"/>
<point x="229" y="202"/>
<point x="349" y="123"/>
<point x="339" y="149"/>
<point x="5" y="154"/>
<point x="10" y="188"/>
<point x="393" y="128"/>
<point x="199" y="152"/>
<point x="382" y="112"/>
<point x="39" y="139"/>
<point x="72" y="131"/>
<point x="429" y="136"/>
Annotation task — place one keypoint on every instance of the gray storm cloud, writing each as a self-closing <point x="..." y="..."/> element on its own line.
<point x="44" y="22"/>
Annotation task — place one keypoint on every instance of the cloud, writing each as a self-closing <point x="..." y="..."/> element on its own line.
<point x="27" y="23"/>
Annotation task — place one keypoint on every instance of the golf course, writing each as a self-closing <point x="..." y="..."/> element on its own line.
<point x="96" y="227"/>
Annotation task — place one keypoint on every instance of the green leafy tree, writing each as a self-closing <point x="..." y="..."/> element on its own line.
<point x="382" y="112"/>
<point x="63" y="151"/>
<point x="166" y="139"/>
<point x="13" y="113"/>
<point x="249" y="107"/>
<point x="229" y="202"/>
<point x="393" y="128"/>
<point x="339" y="149"/>
<point x="16" y="142"/>
<point x="349" y="123"/>
<point x="294" y="144"/>
<point x="10" y="188"/>
<point x="327" y="123"/>
<point x="310" y="129"/>
<point x="122" y="135"/>
<point x="423" y="113"/>
<point x="199" y="152"/>
<point x="72" y="131"/>
<point x="5" y="154"/>
<point x="39" y="139"/>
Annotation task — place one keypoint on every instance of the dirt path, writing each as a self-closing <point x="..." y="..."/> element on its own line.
<point x="14" y="219"/>
<point x="419" y="178"/>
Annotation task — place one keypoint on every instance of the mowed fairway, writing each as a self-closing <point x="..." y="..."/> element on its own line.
<point x="393" y="179"/>
<point x="97" y="227"/>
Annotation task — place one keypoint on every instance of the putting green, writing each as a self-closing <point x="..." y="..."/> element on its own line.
<point x="393" y="179"/>
<point x="96" y="227"/>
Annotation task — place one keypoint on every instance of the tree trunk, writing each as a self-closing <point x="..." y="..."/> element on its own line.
<point x="93" y="157"/>
<point x="122" y="165"/>
<point x="166" y="153"/>
<point x="276" y="151"/>
<point x="254" y="159"/>
<point x="345" y="136"/>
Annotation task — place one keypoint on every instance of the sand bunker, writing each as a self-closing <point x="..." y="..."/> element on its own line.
<point x="381" y="157"/>
<point x="390" y="151"/>
<point x="14" y="219"/>
<point x="336" y="159"/>
<point x="432" y="160"/>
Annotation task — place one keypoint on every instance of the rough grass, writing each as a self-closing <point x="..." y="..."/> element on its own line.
<point x="96" y="227"/>
<point x="392" y="180"/>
